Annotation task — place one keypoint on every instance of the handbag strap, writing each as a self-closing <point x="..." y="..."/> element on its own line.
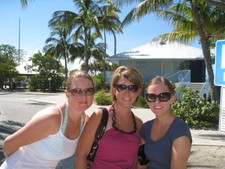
<point x="102" y="126"/>
<point x="98" y="135"/>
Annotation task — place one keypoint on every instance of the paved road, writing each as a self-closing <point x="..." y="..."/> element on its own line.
<point x="19" y="106"/>
<point x="208" y="150"/>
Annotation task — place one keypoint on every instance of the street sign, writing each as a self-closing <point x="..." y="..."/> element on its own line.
<point x="222" y="110"/>
<point x="220" y="63"/>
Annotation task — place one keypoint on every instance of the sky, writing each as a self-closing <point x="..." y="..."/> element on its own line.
<point x="34" y="28"/>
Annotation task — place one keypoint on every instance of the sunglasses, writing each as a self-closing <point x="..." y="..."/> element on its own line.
<point x="122" y="87"/>
<point x="163" y="97"/>
<point x="80" y="92"/>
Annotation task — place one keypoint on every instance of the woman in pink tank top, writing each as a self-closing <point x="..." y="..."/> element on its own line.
<point x="118" y="147"/>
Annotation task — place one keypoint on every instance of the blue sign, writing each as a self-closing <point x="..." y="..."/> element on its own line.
<point x="220" y="63"/>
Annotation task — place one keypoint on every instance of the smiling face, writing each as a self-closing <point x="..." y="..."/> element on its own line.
<point x="158" y="107"/>
<point x="126" y="74"/>
<point x="80" y="102"/>
<point x="127" y="96"/>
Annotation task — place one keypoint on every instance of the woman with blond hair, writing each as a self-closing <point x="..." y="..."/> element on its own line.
<point x="53" y="133"/>
<point x="119" y="144"/>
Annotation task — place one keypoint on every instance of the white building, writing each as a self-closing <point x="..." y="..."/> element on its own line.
<point x="161" y="58"/>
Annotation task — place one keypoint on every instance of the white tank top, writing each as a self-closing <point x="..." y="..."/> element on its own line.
<point x="45" y="153"/>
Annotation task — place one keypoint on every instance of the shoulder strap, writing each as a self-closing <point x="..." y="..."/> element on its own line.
<point x="102" y="126"/>
<point x="98" y="135"/>
<point x="64" y="123"/>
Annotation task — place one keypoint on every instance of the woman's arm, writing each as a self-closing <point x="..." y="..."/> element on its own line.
<point x="37" y="129"/>
<point x="181" y="148"/>
<point x="86" y="140"/>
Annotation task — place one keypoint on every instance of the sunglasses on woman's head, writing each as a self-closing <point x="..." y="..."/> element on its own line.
<point x="80" y="92"/>
<point x="122" y="87"/>
<point x="163" y="97"/>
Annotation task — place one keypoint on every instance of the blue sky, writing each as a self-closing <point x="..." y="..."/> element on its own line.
<point x="34" y="26"/>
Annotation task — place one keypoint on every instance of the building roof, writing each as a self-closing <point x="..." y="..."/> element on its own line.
<point x="157" y="51"/>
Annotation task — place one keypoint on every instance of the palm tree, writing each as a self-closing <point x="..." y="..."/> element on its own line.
<point x="24" y="3"/>
<point x="189" y="20"/>
<point x="205" y="40"/>
<point x="84" y="21"/>
<point x="95" y="50"/>
<point x="197" y="19"/>
<point x="110" y="21"/>
<point x="89" y="18"/>
<point x="60" y="44"/>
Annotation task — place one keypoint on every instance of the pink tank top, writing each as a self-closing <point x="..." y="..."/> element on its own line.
<point x="116" y="150"/>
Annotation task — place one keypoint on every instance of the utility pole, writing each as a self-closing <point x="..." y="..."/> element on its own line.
<point x="19" y="42"/>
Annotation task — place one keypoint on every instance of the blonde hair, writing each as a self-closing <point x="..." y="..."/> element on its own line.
<point x="129" y="73"/>
<point x="78" y="74"/>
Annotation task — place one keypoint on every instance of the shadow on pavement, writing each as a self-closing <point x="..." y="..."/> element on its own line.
<point x="7" y="128"/>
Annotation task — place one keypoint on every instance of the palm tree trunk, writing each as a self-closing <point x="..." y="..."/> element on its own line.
<point x="85" y="49"/>
<point x="66" y="68"/>
<point x="206" y="51"/>
<point x="104" y="60"/>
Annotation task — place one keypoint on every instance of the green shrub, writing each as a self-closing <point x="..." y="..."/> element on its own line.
<point x="99" y="82"/>
<point x="37" y="82"/>
<point x="102" y="98"/>
<point x="196" y="111"/>
<point x="141" y="102"/>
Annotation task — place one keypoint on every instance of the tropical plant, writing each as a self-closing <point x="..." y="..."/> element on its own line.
<point x="197" y="19"/>
<point x="59" y="44"/>
<point x="190" y="18"/>
<point x="84" y="21"/>
<point x="198" y="10"/>
<point x="49" y="72"/>
<point x="196" y="111"/>
<point x="219" y="3"/>
<point x="109" y="21"/>
<point x="8" y="63"/>
<point x="98" y="81"/>
<point x="100" y="66"/>
<point x="141" y="102"/>
<point x="88" y="21"/>
<point x="102" y="98"/>
<point x="94" y="50"/>
<point x="24" y="3"/>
